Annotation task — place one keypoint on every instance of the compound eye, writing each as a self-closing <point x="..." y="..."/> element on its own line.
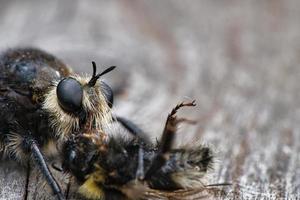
<point x="108" y="94"/>
<point x="69" y="94"/>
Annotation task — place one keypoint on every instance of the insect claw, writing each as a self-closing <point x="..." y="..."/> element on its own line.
<point x="182" y="104"/>
<point x="192" y="103"/>
<point x="188" y="121"/>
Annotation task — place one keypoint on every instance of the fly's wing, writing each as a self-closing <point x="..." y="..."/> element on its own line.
<point x="185" y="194"/>
<point x="29" y="72"/>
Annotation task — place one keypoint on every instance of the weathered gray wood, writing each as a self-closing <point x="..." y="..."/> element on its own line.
<point x="238" y="59"/>
<point x="13" y="181"/>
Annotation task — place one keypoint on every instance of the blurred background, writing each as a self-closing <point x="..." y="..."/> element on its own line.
<point x="238" y="58"/>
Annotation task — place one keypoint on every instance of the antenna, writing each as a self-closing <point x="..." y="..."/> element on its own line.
<point x="95" y="77"/>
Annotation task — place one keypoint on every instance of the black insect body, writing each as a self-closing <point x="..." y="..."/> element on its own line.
<point x="109" y="166"/>
<point x="42" y="102"/>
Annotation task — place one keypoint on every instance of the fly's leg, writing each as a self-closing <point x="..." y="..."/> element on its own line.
<point x="133" y="129"/>
<point x="129" y="126"/>
<point x="41" y="163"/>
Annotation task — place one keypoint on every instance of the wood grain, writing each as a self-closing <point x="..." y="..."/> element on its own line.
<point x="238" y="59"/>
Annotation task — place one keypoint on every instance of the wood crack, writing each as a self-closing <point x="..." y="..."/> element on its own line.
<point x="27" y="180"/>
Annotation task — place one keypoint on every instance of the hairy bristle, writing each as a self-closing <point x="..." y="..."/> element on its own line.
<point x="13" y="147"/>
<point x="93" y="103"/>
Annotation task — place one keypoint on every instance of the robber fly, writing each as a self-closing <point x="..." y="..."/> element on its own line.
<point x="110" y="165"/>
<point x="43" y="103"/>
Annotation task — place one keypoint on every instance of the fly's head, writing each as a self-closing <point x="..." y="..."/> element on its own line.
<point x="79" y="104"/>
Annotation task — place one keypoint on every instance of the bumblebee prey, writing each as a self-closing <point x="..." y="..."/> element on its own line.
<point x="109" y="165"/>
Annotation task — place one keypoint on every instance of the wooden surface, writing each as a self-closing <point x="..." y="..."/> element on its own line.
<point x="239" y="60"/>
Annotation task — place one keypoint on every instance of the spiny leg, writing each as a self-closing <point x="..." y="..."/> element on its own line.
<point x="167" y="139"/>
<point x="40" y="161"/>
<point x="140" y="168"/>
<point x="128" y="125"/>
